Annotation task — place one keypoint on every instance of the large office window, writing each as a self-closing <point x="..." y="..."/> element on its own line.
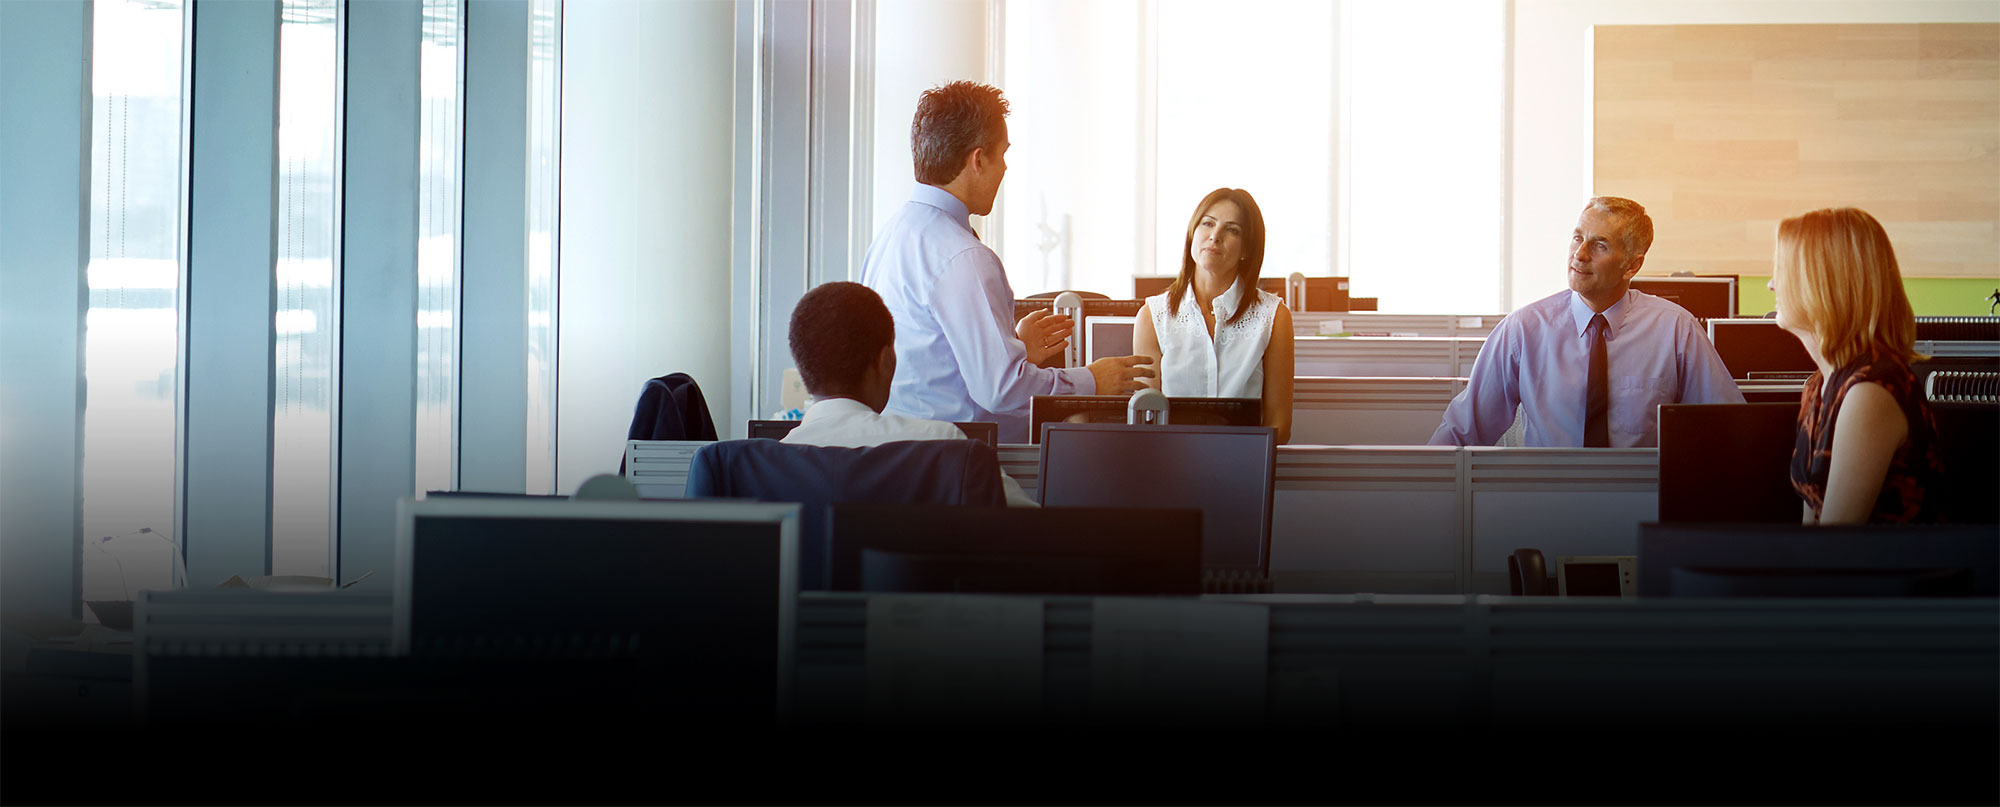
<point x="1425" y="154"/>
<point x="544" y="185"/>
<point x="1072" y="205"/>
<point x="302" y="425"/>
<point x="437" y="250"/>
<point x="1128" y="112"/>
<point x="1247" y="96"/>
<point x="131" y="327"/>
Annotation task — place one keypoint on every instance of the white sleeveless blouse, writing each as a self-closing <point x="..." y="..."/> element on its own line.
<point x="1231" y="365"/>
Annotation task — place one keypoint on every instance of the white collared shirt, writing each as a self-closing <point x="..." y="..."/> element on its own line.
<point x="848" y="423"/>
<point x="1229" y="365"/>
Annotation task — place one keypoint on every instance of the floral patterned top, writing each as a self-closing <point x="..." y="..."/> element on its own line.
<point x="1913" y="470"/>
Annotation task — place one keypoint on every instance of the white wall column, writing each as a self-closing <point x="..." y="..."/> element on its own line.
<point x="225" y="503"/>
<point x="45" y="85"/>
<point x="493" y="353"/>
<point x="645" y="252"/>
<point x="378" y="282"/>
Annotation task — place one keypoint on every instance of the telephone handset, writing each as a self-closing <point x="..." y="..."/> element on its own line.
<point x="1528" y="574"/>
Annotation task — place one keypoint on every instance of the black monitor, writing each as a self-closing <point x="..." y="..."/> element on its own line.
<point x="1758" y="346"/>
<point x="1113" y="409"/>
<point x="1728" y="463"/>
<point x="988" y="433"/>
<point x="1016" y="550"/>
<point x="1770" y="560"/>
<point x="681" y="607"/>
<point x="1706" y="297"/>
<point x="1224" y="471"/>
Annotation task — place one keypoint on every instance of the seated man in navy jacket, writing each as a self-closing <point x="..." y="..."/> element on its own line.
<point x="844" y="342"/>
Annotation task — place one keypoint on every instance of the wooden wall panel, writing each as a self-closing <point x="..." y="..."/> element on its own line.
<point x="1723" y="130"/>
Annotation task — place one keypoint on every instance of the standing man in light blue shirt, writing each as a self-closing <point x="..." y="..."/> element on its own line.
<point x="960" y="355"/>
<point x="1590" y="366"/>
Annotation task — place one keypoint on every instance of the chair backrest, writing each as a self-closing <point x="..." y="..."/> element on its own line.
<point x="670" y="407"/>
<point x="1050" y="295"/>
<point x="818" y="477"/>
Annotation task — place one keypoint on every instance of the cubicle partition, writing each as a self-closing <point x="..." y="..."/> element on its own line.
<point x="1399" y="356"/>
<point x="1579" y="666"/>
<point x="1369" y="411"/>
<point x="1375" y="323"/>
<point x="1390" y="519"/>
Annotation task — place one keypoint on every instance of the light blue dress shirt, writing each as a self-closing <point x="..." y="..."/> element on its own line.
<point x="956" y="355"/>
<point x="1539" y="357"/>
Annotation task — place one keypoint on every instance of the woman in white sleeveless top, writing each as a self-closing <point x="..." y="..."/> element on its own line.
<point x="1213" y="333"/>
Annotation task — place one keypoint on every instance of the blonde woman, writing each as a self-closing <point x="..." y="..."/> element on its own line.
<point x="1865" y="451"/>
<point x="1213" y="333"/>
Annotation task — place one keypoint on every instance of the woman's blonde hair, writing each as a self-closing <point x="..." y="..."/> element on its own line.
<point x="1837" y="272"/>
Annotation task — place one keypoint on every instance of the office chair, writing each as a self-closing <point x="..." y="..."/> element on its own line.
<point x="1050" y="295"/>
<point x="817" y="477"/>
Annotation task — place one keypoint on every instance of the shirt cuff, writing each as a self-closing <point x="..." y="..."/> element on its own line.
<point x="1074" y="381"/>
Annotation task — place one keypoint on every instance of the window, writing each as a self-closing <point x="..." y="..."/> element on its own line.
<point x="1424" y="168"/>
<point x="437" y="251"/>
<point x="302" y="422"/>
<point x="131" y="326"/>
<point x="1357" y="146"/>
<point x="544" y="183"/>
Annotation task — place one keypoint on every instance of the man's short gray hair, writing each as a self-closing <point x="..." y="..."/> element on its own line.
<point x="1638" y="231"/>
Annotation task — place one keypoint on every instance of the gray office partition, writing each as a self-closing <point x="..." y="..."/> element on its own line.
<point x="45" y="109"/>
<point x="1562" y="501"/>
<point x="1368" y="519"/>
<point x="1395" y="662"/>
<point x="1369" y="411"/>
<point x="378" y="283"/>
<point x="493" y="352"/>
<point x="1386" y="519"/>
<point x="225" y="493"/>
<point x="1328" y="323"/>
<point x="1399" y="356"/>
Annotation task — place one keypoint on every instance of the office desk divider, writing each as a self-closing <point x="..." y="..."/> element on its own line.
<point x="1401" y="356"/>
<point x="1395" y="519"/>
<point x="1369" y="411"/>
<point x="1375" y="323"/>
<point x="1487" y="663"/>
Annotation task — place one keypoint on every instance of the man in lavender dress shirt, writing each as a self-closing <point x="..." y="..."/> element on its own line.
<point x="1539" y="357"/>
<point x="958" y="355"/>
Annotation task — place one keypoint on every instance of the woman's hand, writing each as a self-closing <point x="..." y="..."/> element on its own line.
<point x="1044" y="333"/>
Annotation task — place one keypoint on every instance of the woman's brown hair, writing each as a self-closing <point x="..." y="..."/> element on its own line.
<point x="1253" y="251"/>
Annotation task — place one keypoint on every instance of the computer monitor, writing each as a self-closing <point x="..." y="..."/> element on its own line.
<point x="1045" y="409"/>
<point x="1706" y="297"/>
<point x="1106" y="337"/>
<point x="1728" y="463"/>
<point x="1016" y="550"/>
<point x="1224" y="471"/>
<point x="1771" y="560"/>
<point x="688" y="605"/>
<point x="988" y="433"/>
<point x="1758" y="346"/>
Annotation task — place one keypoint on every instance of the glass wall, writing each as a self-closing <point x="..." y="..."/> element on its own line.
<point x="302" y="424"/>
<point x="1424" y="170"/>
<point x="437" y="250"/>
<point x="131" y="328"/>
<point x="1127" y="112"/>
<point x="544" y="186"/>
